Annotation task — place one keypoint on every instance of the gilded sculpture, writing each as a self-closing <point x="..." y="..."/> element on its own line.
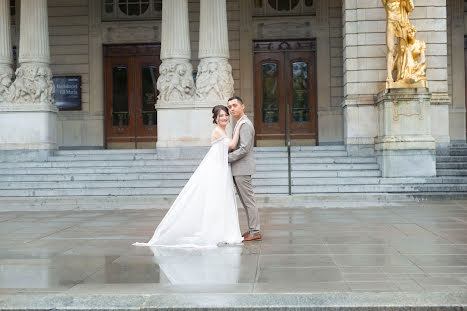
<point x="405" y="61"/>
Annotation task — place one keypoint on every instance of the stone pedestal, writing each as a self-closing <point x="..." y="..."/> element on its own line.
<point x="184" y="124"/>
<point x="28" y="116"/>
<point x="404" y="145"/>
<point x="27" y="132"/>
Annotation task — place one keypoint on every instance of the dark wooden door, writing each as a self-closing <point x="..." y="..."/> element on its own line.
<point x="465" y="82"/>
<point x="131" y="74"/>
<point x="285" y="91"/>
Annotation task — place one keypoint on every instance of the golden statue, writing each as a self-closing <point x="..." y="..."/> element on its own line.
<point x="407" y="59"/>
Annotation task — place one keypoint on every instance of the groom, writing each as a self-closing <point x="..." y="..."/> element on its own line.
<point x="243" y="166"/>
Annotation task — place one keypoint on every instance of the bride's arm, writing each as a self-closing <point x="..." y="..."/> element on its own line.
<point x="234" y="141"/>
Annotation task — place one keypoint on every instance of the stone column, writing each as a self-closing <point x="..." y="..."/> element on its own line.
<point x="6" y="57"/>
<point x="178" y="122"/>
<point x="214" y="82"/>
<point x="33" y="84"/>
<point x="28" y="124"/>
<point x="175" y="82"/>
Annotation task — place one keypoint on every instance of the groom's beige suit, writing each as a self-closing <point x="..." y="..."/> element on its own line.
<point x="243" y="166"/>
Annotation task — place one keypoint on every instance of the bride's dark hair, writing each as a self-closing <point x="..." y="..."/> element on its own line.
<point x="216" y="110"/>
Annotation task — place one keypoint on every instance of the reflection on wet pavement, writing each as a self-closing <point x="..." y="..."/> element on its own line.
<point x="415" y="246"/>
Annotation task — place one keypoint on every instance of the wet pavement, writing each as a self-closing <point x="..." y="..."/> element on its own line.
<point x="404" y="247"/>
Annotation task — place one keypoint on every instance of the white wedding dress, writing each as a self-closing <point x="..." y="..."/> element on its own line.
<point x="205" y="212"/>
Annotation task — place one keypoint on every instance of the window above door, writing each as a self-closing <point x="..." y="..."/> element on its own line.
<point x="284" y="7"/>
<point x="131" y="9"/>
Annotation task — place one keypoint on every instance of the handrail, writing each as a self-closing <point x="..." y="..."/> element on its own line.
<point x="287" y="142"/>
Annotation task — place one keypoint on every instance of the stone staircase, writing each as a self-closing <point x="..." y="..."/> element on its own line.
<point x="316" y="172"/>
<point x="454" y="164"/>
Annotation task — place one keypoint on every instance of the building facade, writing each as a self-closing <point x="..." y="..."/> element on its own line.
<point x="149" y="71"/>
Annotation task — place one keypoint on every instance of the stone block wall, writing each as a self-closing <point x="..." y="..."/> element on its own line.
<point x="456" y="69"/>
<point x="69" y="48"/>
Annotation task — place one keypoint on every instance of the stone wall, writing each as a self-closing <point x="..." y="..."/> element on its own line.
<point x="69" y="48"/>
<point x="331" y="120"/>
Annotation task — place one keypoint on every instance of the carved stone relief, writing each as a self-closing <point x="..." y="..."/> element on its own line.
<point x="175" y="80"/>
<point x="6" y="74"/>
<point x="33" y="84"/>
<point x="214" y="80"/>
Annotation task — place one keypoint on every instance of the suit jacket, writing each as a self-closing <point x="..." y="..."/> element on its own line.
<point x="242" y="159"/>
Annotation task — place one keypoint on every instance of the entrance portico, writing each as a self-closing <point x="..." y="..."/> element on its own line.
<point x="349" y="58"/>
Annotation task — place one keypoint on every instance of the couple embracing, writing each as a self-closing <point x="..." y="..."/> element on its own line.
<point x="205" y="212"/>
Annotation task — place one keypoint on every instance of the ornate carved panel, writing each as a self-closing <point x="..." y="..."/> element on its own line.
<point x="131" y="32"/>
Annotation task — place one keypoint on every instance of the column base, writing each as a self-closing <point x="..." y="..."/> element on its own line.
<point x="27" y="132"/>
<point x="184" y="124"/>
<point x="407" y="163"/>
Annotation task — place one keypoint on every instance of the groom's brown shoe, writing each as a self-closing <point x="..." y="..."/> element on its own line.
<point x="252" y="237"/>
<point x="245" y="234"/>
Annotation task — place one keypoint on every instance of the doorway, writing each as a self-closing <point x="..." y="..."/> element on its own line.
<point x="285" y="92"/>
<point x="465" y="83"/>
<point x="131" y="73"/>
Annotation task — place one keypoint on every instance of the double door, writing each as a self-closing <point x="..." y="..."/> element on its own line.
<point x="285" y="92"/>
<point x="131" y="74"/>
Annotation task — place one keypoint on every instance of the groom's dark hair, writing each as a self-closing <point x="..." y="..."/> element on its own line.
<point x="237" y="98"/>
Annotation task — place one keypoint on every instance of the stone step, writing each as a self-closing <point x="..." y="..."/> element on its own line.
<point x="458" y="152"/>
<point x="442" y="159"/>
<point x="93" y="177"/>
<point x="319" y="153"/>
<point x="377" y="181"/>
<point x="342" y="173"/>
<point x="112" y="183"/>
<point x="173" y="191"/>
<point x="322" y="167"/>
<point x="330" y="147"/>
<point x="89" y="184"/>
<point x="381" y="188"/>
<point x="146" y="159"/>
<point x="107" y="168"/>
<point x="178" y="183"/>
<point x="192" y="164"/>
<point x="452" y="165"/>
<point x="144" y="156"/>
<point x="451" y="172"/>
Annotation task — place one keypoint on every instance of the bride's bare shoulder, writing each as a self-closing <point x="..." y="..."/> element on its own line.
<point x="217" y="133"/>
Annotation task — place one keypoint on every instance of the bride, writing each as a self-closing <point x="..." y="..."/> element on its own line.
<point x="205" y="212"/>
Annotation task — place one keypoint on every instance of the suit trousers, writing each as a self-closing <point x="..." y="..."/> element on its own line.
<point x="247" y="197"/>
